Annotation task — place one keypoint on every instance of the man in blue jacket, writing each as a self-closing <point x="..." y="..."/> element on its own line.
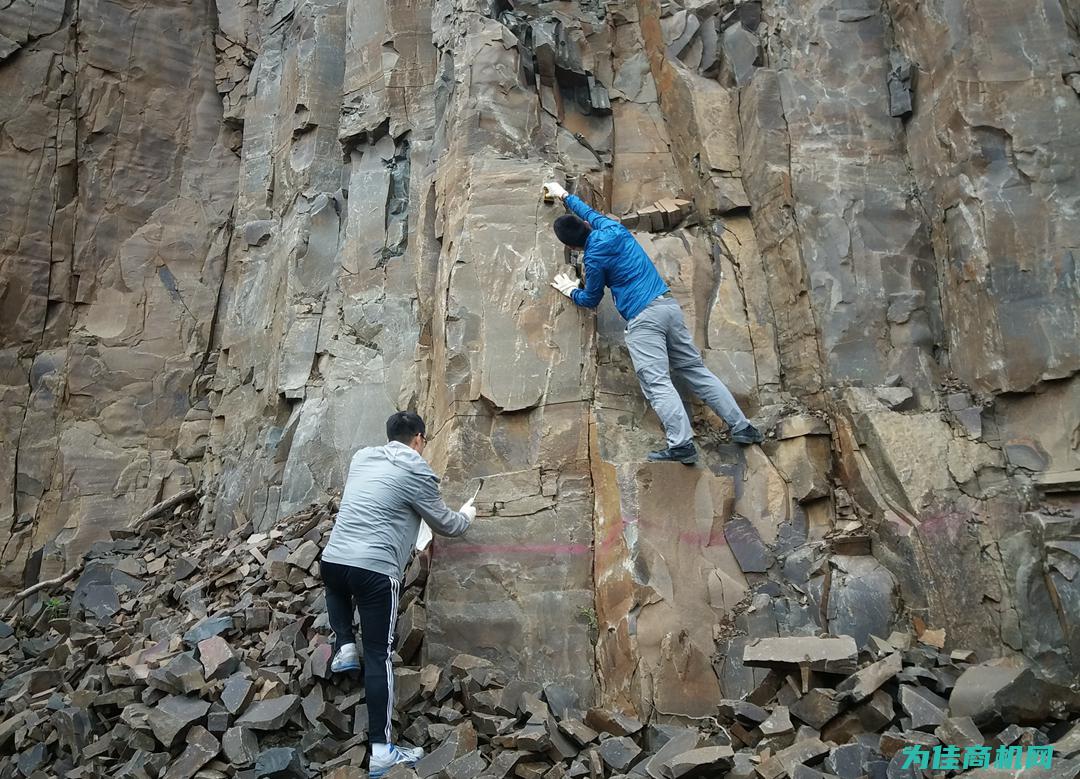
<point x="388" y="491"/>
<point x="656" y="335"/>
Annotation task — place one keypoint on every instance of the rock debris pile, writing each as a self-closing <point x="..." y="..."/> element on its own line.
<point x="178" y="656"/>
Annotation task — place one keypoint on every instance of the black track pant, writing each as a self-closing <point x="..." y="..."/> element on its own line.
<point x="375" y="596"/>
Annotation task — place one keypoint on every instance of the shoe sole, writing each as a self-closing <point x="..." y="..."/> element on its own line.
<point x="684" y="460"/>
<point x="746" y="441"/>
<point x="345" y="668"/>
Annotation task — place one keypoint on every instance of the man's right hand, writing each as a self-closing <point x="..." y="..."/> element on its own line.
<point x="469" y="510"/>
<point x="552" y="189"/>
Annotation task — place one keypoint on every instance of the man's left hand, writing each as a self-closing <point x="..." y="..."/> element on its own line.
<point x="565" y="285"/>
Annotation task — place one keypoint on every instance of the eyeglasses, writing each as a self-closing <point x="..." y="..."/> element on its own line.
<point x="423" y="437"/>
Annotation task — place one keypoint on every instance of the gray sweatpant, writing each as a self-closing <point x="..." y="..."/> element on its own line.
<point x="661" y="346"/>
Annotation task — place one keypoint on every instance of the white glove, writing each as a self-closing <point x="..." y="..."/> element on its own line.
<point x="565" y="284"/>
<point x="469" y="510"/>
<point x="551" y="189"/>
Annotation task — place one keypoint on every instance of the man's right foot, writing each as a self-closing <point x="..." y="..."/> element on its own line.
<point x="684" y="453"/>
<point x="346" y="659"/>
<point x="747" y="434"/>
<point x="383" y="761"/>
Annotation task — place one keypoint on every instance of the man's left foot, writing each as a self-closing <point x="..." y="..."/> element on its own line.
<point x="684" y="453"/>
<point x="384" y="759"/>
<point x="747" y="434"/>
<point x="346" y="659"/>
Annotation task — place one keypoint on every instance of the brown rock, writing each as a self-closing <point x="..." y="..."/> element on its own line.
<point x="217" y="658"/>
<point x="613" y="722"/>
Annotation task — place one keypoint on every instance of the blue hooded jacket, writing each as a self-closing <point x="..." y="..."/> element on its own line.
<point x="614" y="258"/>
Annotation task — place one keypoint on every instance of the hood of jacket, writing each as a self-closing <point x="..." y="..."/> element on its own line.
<point x="406" y="458"/>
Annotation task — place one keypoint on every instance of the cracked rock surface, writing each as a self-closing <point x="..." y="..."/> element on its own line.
<point x="235" y="236"/>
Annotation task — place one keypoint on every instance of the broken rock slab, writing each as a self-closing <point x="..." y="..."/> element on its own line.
<point x="270" y="714"/>
<point x="837" y="655"/>
<point x="201" y="748"/>
<point x="701" y="763"/>
<point x="864" y="682"/>
<point x="174" y="714"/>
<point x="280" y="763"/>
<point x="994" y="693"/>
<point x="803" y="752"/>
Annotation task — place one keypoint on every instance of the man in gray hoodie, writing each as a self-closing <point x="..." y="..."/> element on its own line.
<point x="388" y="491"/>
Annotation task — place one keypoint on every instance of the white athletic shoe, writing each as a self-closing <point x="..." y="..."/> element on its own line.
<point x="383" y="762"/>
<point x="346" y="659"/>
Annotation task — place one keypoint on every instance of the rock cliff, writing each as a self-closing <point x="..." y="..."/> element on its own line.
<point x="234" y="236"/>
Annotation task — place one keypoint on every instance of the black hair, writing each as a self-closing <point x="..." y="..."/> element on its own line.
<point x="404" y="426"/>
<point x="572" y="231"/>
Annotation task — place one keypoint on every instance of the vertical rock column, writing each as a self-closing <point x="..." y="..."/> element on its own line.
<point x="992" y="147"/>
<point x="118" y="184"/>
<point x="506" y="366"/>
<point x="321" y="317"/>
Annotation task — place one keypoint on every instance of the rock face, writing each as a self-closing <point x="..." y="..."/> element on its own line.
<point x="235" y="237"/>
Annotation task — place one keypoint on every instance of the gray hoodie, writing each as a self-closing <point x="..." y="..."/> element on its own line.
<point x="388" y="490"/>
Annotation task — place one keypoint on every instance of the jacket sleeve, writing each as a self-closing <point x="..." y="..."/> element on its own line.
<point x="595" y="219"/>
<point x="431" y="507"/>
<point x="595" y="280"/>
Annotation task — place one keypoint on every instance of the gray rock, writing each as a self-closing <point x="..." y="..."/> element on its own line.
<point x="205" y="628"/>
<point x="778" y="723"/>
<point x="31" y="759"/>
<point x="241" y="746"/>
<point x="995" y="693"/>
<point x="740" y="52"/>
<point x="864" y="682"/>
<point x="201" y="748"/>
<point x="802" y="752"/>
<point x="749" y="550"/>
<point x="862" y="597"/>
<point x="237" y="693"/>
<point x="619" y="752"/>
<point x="847" y="761"/>
<point x="466" y="767"/>
<point x="701" y="763"/>
<point x="818" y="707"/>
<point x="925" y="709"/>
<point x="270" y="714"/>
<point x="959" y="731"/>
<point x="173" y="715"/>
<point x="280" y="763"/>
<point x="680" y="741"/>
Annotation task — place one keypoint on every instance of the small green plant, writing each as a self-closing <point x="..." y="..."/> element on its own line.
<point x="589" y="615"/>
<point x="55" y="608"/>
